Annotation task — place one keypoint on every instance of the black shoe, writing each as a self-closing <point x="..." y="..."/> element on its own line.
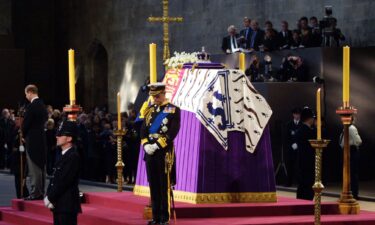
<point x="164" y="223"/>
<point x="30" y="198"/>
<point x="152" y="222"/>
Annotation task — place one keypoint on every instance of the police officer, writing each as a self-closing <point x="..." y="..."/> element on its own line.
<point x="291" y="147"/>
<point x="159" y="128"/>
<point x="306" y="155"/>
<point x="62" y="193"/>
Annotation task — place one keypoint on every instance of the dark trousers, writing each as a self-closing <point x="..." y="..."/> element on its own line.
<point x="291" y="164"/>
<point x="65" y="218"/>
<point x="354" y="167"/>
<point x="37" y="178"/>
<point x="157" y="179"/>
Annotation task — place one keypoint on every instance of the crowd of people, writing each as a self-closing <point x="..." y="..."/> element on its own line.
<point x="96" y="142"/>
<point x="307" y="33"/>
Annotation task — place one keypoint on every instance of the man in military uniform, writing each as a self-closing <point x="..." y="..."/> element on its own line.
<point x="160" y="127"/>
<point x="62" y="193"/>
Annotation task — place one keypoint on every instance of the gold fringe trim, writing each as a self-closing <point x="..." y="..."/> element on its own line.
<point x="198" y="198"/>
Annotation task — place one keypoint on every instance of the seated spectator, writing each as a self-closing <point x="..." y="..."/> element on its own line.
<point x="256" y="36"/>
<point x="230" y="44"/>
<point x="270" y="42"/>
<point x="269" y="26"/>
<point x="296" y="40"/>
<point x="316" y="33"/>
<point x="244" y="33"/>
<point x="306" y="33"/>
<point x="253" y="71"/>
<point x="285" y="36"/>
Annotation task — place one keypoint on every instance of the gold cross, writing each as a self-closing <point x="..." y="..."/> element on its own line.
<point x="165" y="20"/>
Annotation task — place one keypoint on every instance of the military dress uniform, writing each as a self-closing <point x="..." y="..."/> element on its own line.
<point x="63" y="192"/>
<point x="160" y="127"/>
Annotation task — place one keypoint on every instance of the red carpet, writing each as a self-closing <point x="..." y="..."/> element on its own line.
<point x="125" y="208"/>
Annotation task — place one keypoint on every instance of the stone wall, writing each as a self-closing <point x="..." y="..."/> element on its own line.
<point x="121" y="27"/>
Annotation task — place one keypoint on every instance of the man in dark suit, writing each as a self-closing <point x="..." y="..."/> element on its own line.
<point x="33" y="130"/>
<point x="256" y="36"/>
<point x="306" y="155"/>
<point x="160" y="127"/>
<point x="244" y="33"/>
<point x="63" y="193"/>
<point x="230" y="43"/>
<point x="285" y="36"/>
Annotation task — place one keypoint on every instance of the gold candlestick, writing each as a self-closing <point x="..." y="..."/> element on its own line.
<point x="319" y="145"/>
<point x="119" y="165"/>
<point x="347" y="204"/>
<point x="72" y="111"/>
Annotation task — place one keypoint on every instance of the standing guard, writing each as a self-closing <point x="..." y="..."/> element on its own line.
<point x="160" y="127"/>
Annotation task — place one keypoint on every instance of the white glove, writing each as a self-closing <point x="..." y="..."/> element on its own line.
<point x="294" y="146"/>
<point x="154" y="147"/>
<point x="47" y="203"/>
<point x="22" y="148"/>
<point x="148" y="149"/>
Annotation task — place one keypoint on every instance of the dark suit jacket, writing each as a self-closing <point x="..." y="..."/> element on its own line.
<point x="244" y="42"/>
<point x="63" y="190"/>
<point x="33" y="130"/>
<point x="287" y="40"/>
<point x="258" y="40"/>
<point x="226" y="43"/>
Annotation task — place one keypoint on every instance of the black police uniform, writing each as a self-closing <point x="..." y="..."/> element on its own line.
<point x="63" y="190"/>
<point x="306" y="157"/>
<point x="292" y="154"/>
<point x="160" y="126"/>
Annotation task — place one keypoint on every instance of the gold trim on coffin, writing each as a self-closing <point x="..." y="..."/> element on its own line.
<point x="198" y="198"/>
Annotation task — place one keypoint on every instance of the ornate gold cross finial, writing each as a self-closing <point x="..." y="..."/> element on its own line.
<point x="165" y="19"/>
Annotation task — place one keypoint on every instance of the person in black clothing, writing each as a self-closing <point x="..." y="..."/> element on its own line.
<point x="296" y="39"/>
<point x="285" y="37"/>
<point x="133" y="141"/>
<point x="306" y="155"/>
<point x="244" y="33"/>
<point x="51" y="145"/>
<point x="316" y="32"/>
<point x="33" y="130"/>
<point x="62" y="193"/>
<point x="290" y="144"/>
<point x="108" y="144"/>
<point x="270" y="40"/>
<point x="7" y="136"/>
<point x="230" y="43"/>
<point x="306" y="33"/>
<point x="160" y="127"/>
<point x="256" y="36"/>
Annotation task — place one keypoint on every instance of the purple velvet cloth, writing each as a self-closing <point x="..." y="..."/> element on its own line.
<point x="203" y="166"/>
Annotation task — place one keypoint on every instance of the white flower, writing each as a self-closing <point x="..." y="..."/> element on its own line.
<point x="165" y="120"/>
<point x="180" y="58"/>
